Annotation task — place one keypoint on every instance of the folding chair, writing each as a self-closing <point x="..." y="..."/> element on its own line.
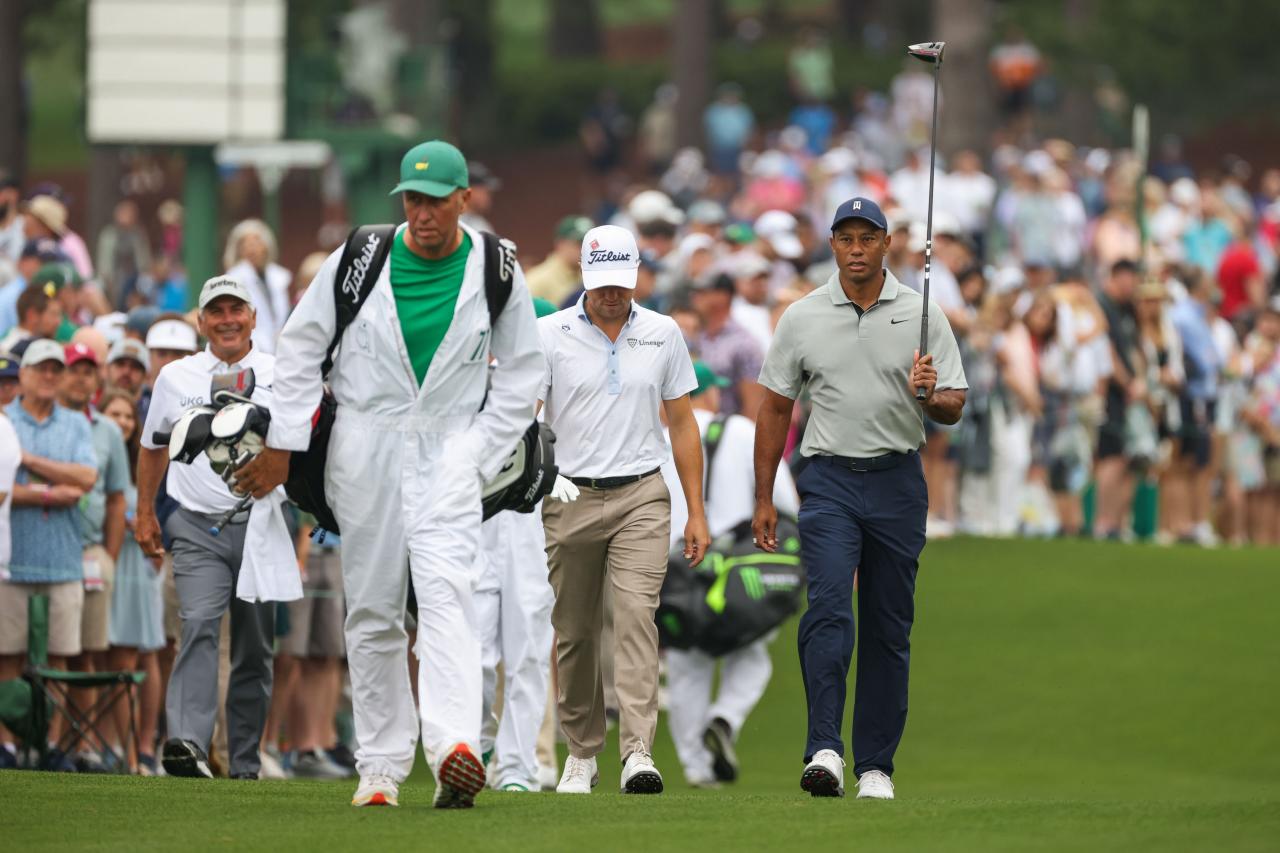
<point x="50" y="689"/>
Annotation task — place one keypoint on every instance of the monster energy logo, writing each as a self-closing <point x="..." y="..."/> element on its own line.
<point x="752" y="579"/>
<point x="752" y="582"/>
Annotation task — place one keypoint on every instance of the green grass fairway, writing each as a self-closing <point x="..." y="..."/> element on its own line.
<point x="1064" y="696"/>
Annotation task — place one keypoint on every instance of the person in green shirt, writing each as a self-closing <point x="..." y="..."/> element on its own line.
<point x="426" y="291"/>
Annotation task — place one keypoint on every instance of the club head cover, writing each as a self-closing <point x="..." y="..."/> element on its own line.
<point x="191" y="434"/>
<point x="235" y="420"/>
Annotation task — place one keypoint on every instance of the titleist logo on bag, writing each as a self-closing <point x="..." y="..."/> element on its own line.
<point x="354" y="279"/>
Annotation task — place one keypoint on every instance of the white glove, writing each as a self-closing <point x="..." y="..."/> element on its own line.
<point x="564" y="490"/>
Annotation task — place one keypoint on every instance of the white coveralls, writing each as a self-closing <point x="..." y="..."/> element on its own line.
<point x="745" y="673"/>
<point x="403" y="478"/>
<point x="513" y="604"/>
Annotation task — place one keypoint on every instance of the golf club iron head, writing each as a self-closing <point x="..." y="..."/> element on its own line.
<point x="928" y="51"/>
<point x="190" y="434"/>
<point x="232" y="387"/>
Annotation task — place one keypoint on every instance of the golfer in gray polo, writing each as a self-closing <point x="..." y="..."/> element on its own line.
<point x="205" y="566"/>
<point x="852" y="346"/>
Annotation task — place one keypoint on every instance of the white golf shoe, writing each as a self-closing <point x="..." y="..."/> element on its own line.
<point x="580" y="776"/>
<point x="874" y="785"/>
<point x="639" y="776"/>
<point x="824" y="774"/>
<point x="546" y="777"/>
<point x="377" y="790"/>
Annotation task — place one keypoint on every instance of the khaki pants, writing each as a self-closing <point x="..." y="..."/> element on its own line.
<point x="621" y="534"/>
<point x="95" y="616"/>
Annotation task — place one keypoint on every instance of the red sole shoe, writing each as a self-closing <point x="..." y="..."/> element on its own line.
<point x="461" y="777"/>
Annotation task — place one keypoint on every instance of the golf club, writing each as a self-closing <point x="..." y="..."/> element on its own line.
<point x="930" y="52"/>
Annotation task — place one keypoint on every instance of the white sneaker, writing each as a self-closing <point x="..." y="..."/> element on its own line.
<point x="377" y="790"/>
<point x="546" y="777"/>
<point x="580" y="776"/>
<point x="874" y="785"/>
<point x="270" y="766"/>
<point x="824" y="774"/>
<point x="1205" y="536"/>
<point x="639" y="776"/>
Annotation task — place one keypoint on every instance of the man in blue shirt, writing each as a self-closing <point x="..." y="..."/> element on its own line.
<point x="58" y="468"/>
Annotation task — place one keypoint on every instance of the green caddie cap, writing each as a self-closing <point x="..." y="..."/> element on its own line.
<point x="707" y="378"/>
<point x="574" y="228"/>
<point x="434" y="168"/>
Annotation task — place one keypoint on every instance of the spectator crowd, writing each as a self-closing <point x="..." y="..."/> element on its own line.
<point x="1120" y="330"/>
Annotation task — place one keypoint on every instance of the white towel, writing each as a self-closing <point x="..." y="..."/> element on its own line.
<point x="269" y="567"/>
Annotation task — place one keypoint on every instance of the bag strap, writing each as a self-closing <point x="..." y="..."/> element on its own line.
<point x="710" y="444"/>
<point x="499" y="273"/>
<point x="363" y="257"/>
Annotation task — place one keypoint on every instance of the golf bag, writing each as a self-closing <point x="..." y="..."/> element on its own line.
<point x="739" y="593"/>
<point x="363" y="257"/>
<point x="735" y="597"/>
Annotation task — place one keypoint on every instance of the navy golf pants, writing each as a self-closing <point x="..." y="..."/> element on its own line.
<point x="872" y="521"/>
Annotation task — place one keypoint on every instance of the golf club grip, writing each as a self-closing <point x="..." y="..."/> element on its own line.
<point x="921" y="392"/>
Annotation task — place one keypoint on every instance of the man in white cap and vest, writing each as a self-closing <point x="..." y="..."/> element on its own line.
<point x="612" y="366"/>
<point x="409" y="451"/>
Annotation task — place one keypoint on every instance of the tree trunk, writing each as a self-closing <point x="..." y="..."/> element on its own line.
<point x="472" y="53"/>
<point x="854" y="15"/>
<point x="574" y="29"/>
<point x="13" y="110"/>
<point x="104" y="191"/>
<point x="692" y="44"/>
<point x="968" y="111"/>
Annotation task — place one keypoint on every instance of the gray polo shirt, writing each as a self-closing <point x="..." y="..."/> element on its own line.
<point x="856" y="368"/>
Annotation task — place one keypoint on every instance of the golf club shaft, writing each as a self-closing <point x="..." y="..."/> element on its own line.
<point x="240" y="506"/>
<point x="921" y="392"/>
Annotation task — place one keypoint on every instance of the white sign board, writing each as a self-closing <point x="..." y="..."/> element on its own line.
<point x="186" y="71"/>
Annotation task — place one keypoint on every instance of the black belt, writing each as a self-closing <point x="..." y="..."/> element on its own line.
<point x="873" y="463"/>
<point x="611" y="482"/>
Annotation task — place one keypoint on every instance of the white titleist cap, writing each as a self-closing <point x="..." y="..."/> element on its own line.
<point x="610" y="258"/>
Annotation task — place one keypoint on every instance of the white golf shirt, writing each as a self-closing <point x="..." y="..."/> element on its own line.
<point x="185" y="383"/>
<point x="602" y="397"/>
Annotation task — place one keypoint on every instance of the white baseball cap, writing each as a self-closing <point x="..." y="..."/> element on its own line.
<point x="779" y="228"/>
<point x="111" y="325"/>
<point x="654" y="206"/>
<point x="610" y="258"/>
<point x="132" y="349"/>
<point x="172" y="335"/>
<point x="42" y="350"/>
<point x="223" y="285"/>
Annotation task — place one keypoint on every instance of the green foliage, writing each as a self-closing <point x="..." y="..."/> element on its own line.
<point x="1194" y="65"/>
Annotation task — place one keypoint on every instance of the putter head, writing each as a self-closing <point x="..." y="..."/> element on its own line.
<point x="928" y="51"/>
<point x="232" y="387"/>
<point x="191" y="433"/>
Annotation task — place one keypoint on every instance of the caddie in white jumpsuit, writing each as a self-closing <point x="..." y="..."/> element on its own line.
<point x="408" y="453"/>
<point x="704" y="731"/>
<point x="513" y="600"/>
